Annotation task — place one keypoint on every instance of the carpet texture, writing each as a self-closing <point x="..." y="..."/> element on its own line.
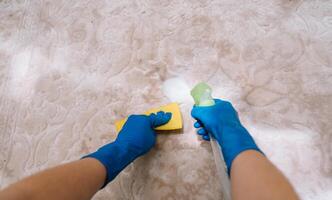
<point x="69" y="69"/>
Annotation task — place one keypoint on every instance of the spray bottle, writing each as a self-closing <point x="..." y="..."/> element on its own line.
<point x="202" y="94"/>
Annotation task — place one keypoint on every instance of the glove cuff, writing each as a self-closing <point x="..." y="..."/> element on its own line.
<point x="231" y="149"/>
<point x="115" y="157"/>
<point x="230" y="160"/>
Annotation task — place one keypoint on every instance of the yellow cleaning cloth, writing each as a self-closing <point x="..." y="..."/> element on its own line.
<point x="173" y="124"/>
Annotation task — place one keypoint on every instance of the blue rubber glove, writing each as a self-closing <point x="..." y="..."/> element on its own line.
<point x="222" y="121"/>
<point x="136" y="138"/>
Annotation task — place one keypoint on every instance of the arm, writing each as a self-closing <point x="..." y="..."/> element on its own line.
<point x="252" y="174"/>
<point x="270" y="181"/>
<point x="82" y="179"/>
<point x="76" y="180"/>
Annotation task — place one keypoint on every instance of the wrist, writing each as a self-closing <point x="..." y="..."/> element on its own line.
<point x="114" y="157"/>
<point x="234" y="141"/>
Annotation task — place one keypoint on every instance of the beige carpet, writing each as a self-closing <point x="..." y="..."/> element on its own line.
<point x="68" y="69"/>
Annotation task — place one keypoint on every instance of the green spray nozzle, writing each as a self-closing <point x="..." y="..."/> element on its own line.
<point x="202" y="94"/>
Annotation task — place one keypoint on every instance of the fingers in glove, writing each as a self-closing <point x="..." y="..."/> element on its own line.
<point x="197" y="124"/>
<point x="201" y="131"/>
<point x="160" y="118"/>
<point x="206" y="137"/>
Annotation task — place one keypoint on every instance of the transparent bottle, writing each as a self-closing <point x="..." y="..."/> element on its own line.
<point x="202" y="94"/>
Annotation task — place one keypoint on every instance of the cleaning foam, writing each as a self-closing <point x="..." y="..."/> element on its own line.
<point x="177" y="90"/>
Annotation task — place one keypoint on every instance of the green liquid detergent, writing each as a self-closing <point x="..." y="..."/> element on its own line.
<point x="202" y="95"/>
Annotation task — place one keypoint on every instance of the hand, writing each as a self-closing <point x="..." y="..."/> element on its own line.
<point x="136" y="138"/>
<point x="138" y="131"/>
<point x="222" y="122"/>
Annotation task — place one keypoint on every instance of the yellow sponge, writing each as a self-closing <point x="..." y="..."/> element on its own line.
<point x="173" y="124"/>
